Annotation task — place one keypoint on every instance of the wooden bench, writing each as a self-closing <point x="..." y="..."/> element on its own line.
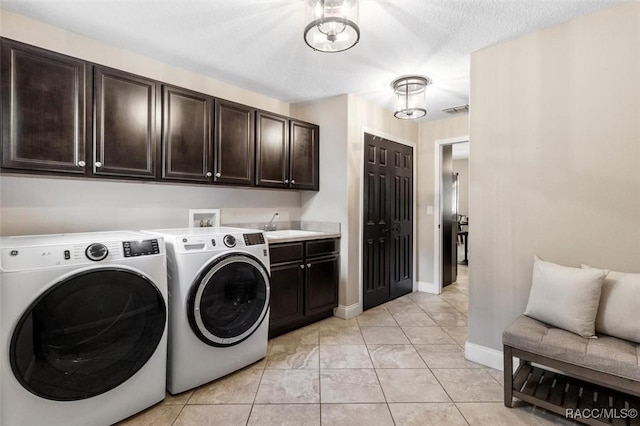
<point x="601" y="373"/>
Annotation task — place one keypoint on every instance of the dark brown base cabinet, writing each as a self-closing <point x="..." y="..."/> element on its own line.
<point x="63" y="115"/>
<point x="304" y="283"/>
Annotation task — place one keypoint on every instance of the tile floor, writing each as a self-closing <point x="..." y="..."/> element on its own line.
<point x="401" y="363"/>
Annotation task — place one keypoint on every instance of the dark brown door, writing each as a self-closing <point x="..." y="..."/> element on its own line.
<point x="376" y="266"/>
<point x="321" y="292"/>
<point x="287" y="294"/>
<point x="124" y="139"/>
<point x="187" y="141"/>
<point x="388" y="221"/>
<point x="272" y="150"/>
<point x="449" y="219"/>
<point x="401" y="220"/>
<point x="234" y="142"/>
<point x="43" y="110"/>
<point x="304" y="154"/>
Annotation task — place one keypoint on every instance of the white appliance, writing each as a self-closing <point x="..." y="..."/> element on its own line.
<point x="218" y="302"/>
<point x="83" y="321"/>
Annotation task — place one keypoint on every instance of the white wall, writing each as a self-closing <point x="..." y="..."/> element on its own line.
<point x="342" y="167"/>
<point x="363" y="116"/>
<point x="555" y="159"/>
<point x="34" y="205"/>
<point x="330" y="204"/>
<point x="430" y="132"/>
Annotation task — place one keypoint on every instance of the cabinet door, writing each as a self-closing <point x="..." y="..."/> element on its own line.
<point x="272" y="150"/>
<point x="286" y="294"/>
<point x="124" y="139"/>
<point x="186" y="135"/>
<point x="304" y="155"/>
<point x="43" y="110"/>
<point x="234" y="142"/>
<point x="321" y="292"/>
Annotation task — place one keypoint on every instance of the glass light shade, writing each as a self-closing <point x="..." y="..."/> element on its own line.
<point x="332" y="25"/>
<point x="410" y="98"/>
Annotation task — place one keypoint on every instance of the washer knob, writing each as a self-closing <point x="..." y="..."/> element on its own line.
<point x="96" y="252"/>
<point x="229" y="241"/>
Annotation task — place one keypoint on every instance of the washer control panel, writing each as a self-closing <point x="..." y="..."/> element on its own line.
<point x="140" y="248"/>
<point x="82" y="253"/>
<point x="253" y="239"/>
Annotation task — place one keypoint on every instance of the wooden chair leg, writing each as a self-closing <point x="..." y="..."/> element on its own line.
<point x="508" y="376"/>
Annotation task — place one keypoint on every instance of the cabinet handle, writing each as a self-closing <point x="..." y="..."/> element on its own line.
<point x="292" y="181"/>
<point x="308" y="265"/>
<point x="218" y="174"/>
<point x="98" y="164"/>
<point x="301" y="266"/>
<point x="81" y="163"/>
<point x="286" y="181"/>
<point x="208" y="174"/>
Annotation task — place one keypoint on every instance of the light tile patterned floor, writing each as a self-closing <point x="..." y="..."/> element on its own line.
<point x="401" y="363"/>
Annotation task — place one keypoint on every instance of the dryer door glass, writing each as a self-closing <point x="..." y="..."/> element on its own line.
<point x="87" y="334"/>
<point x="229" y="300"/>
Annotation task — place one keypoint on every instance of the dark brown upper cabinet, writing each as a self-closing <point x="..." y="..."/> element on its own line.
<point x="304" y="156"/>
<point x="125" y="137"/>
<point x="43" y="110"/>
<point x="60" y="114"/>
<point x="234" y="142"/>
<point x="272" y="150"/>
<point x="187" y="137"/>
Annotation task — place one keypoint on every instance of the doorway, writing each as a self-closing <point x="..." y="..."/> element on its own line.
<point x="450" y="240"/>
<point x="387" y="221"/>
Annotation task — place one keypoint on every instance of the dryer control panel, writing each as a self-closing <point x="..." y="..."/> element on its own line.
<point x="218" y="242"/>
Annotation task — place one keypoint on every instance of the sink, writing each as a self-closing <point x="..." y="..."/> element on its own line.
<point x="291" y="233"/>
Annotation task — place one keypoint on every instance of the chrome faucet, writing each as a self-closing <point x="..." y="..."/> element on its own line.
<point x="272" y="226"/>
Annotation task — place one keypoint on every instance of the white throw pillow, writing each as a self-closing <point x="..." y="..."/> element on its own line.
<point x="565" y="297"/>
<point x="619" y="310"/>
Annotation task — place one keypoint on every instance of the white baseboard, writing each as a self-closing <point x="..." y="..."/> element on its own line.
<point x="348" y="312"/>
<point x="428" y="287"/>
<point x="483" y="355"/>
<point x="493" y="358"/>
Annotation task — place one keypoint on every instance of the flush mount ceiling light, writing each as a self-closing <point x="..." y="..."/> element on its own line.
<point x="332" y="25"/>
<point x="410" y="99"/>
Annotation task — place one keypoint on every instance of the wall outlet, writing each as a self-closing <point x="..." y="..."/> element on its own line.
<point x="429" y="210"/>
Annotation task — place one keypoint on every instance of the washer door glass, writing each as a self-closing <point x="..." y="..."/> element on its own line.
<point x="87" y="334"/>
<point x="229" y="300"/>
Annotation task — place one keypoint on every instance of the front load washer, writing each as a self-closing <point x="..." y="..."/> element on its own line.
<point x="83" y="321"/>
<point x="218" y="303"/>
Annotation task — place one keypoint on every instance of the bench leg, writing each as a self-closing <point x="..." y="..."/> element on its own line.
<point x="508" y="376"/>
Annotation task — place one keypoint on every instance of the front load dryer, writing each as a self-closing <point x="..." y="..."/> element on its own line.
<point x="218" y="303"/>
<point x="83" y="327"/>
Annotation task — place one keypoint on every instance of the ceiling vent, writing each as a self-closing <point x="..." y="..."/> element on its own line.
<point x="457" y="109"/>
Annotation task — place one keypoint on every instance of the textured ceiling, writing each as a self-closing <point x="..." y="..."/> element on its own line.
<point x="258" y="44"/>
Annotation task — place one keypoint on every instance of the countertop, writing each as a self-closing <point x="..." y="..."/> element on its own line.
<point x="294" y="235"/>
